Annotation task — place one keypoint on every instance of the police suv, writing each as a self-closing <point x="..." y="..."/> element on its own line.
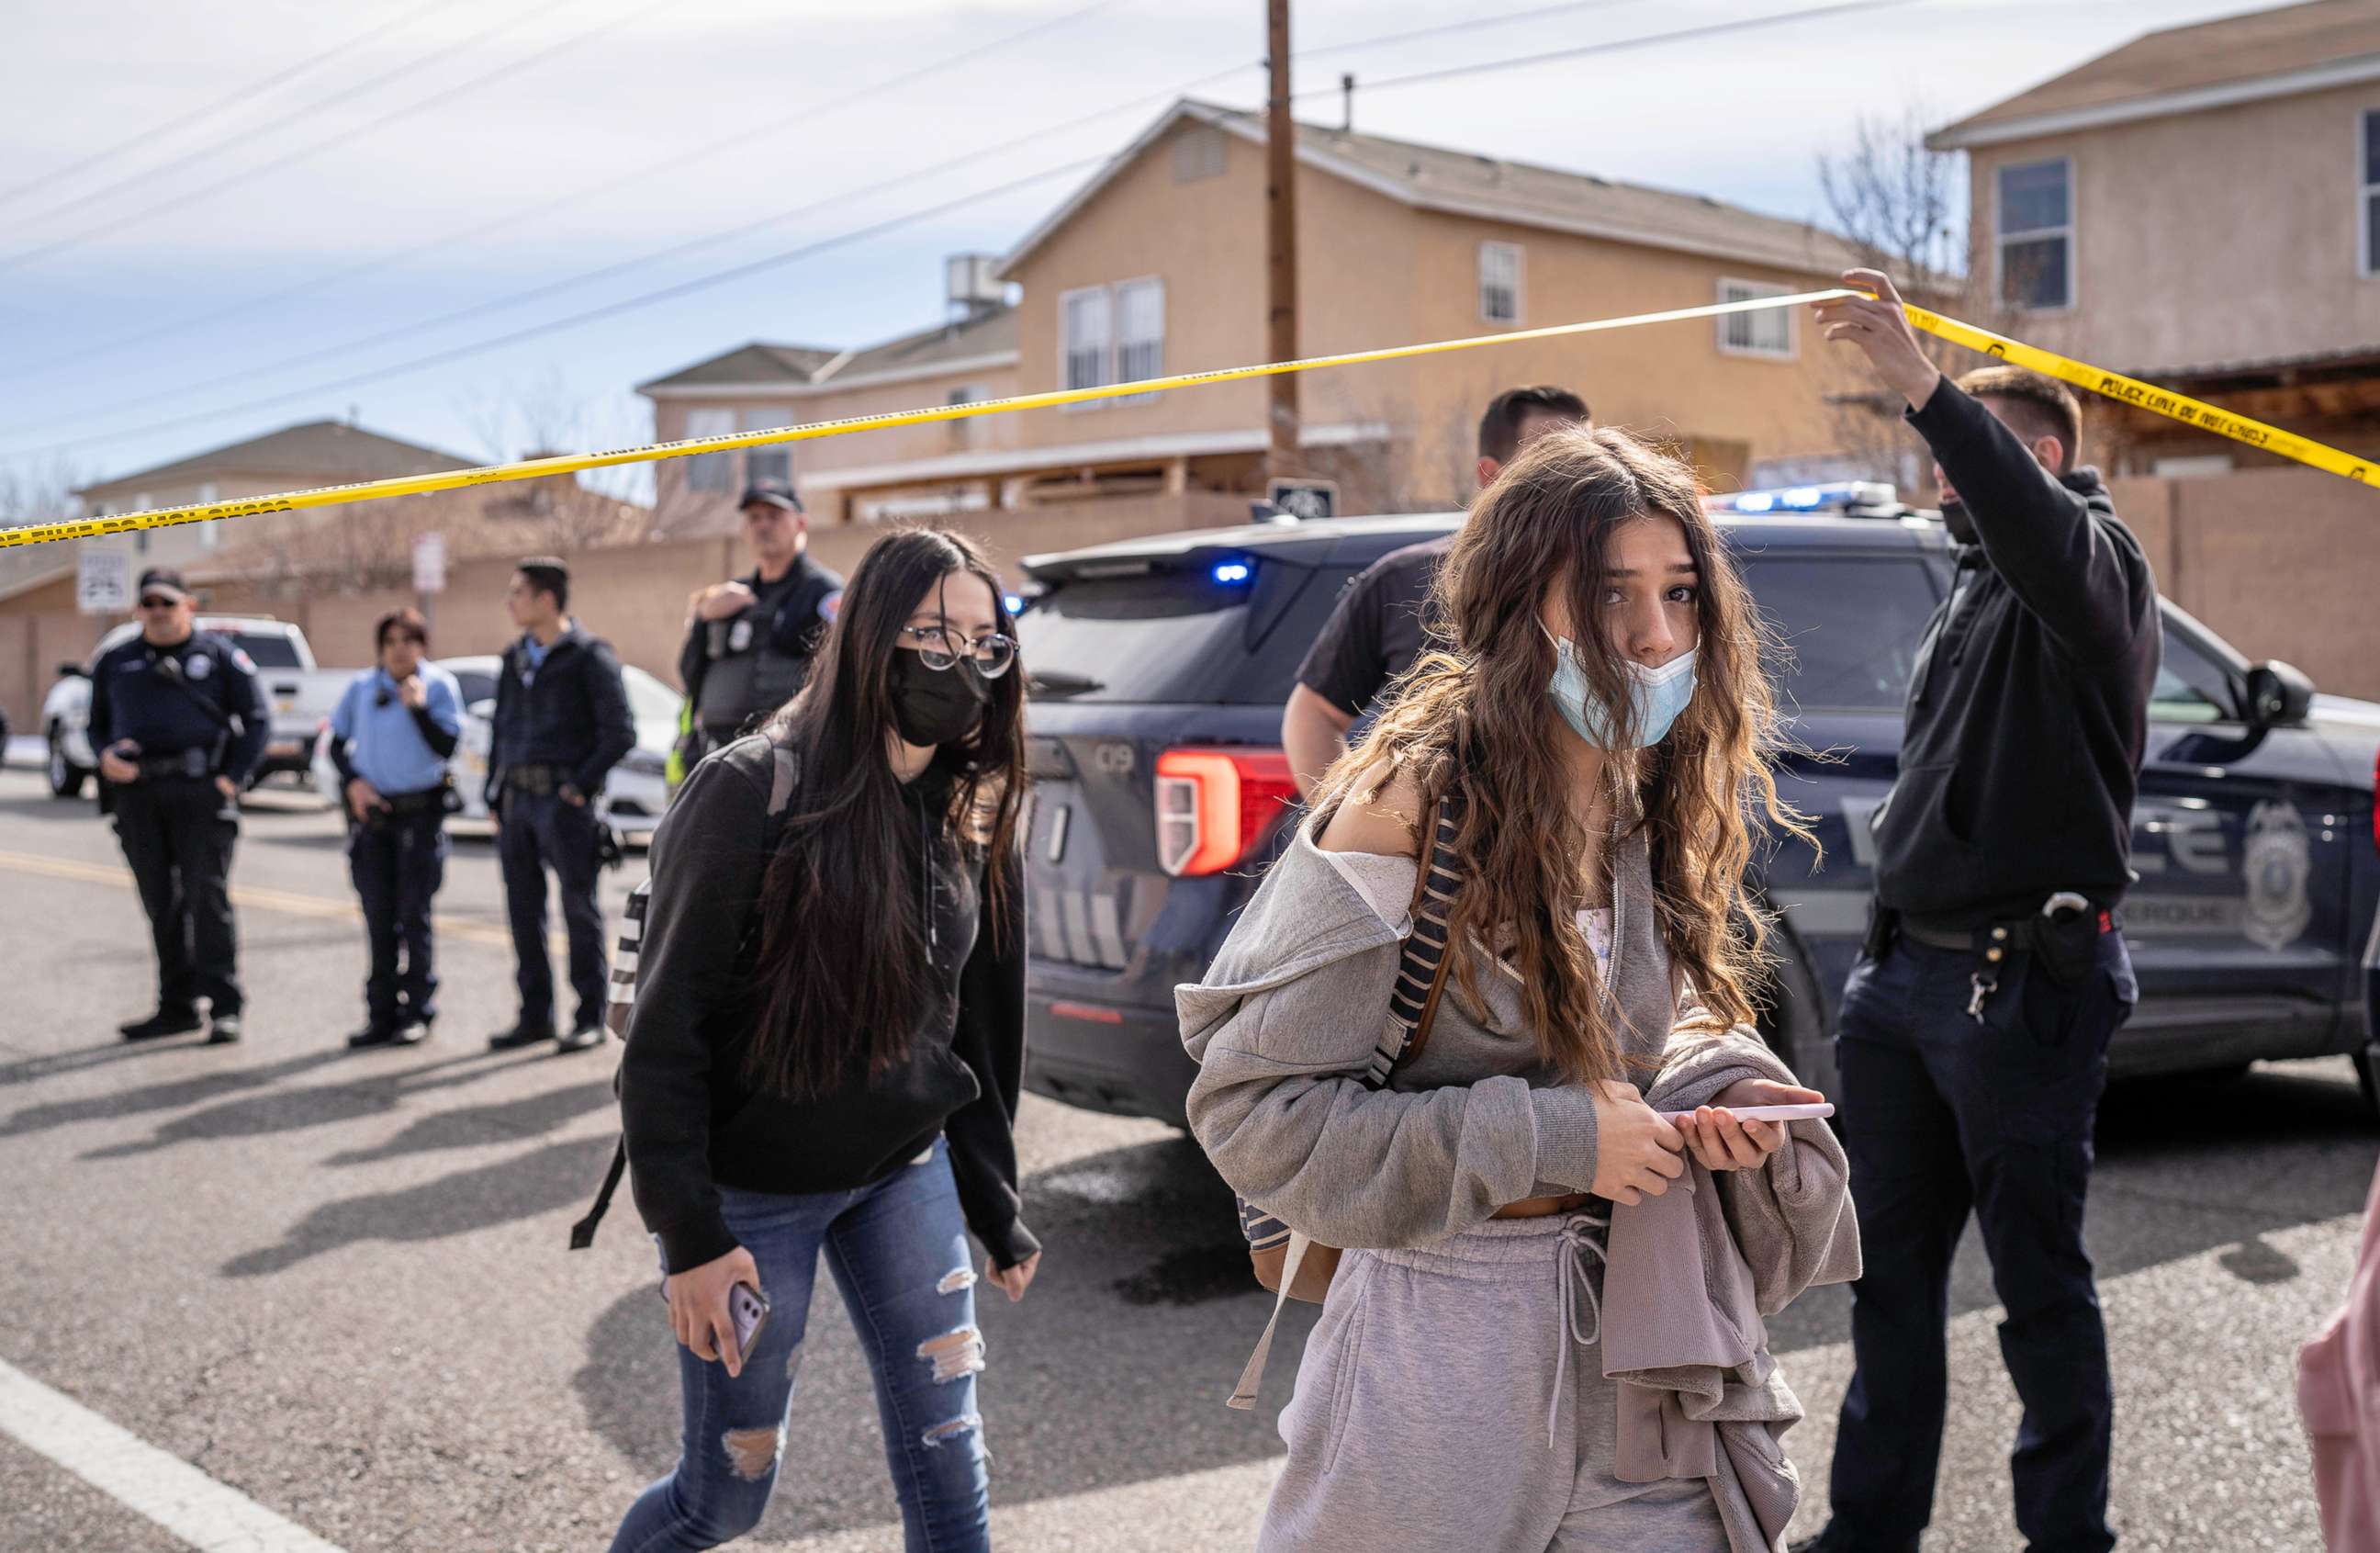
<point x="1160" y="667"/>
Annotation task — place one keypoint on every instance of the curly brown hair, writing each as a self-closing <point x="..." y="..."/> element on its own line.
<point x="1478" y="706"/>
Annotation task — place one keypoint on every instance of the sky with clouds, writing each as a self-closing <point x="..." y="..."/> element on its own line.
<point x="303" y="251"/>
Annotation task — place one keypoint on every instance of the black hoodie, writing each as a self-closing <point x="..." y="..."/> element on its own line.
<point x="2028" y="708"/>
<point x="694" y="1120"/>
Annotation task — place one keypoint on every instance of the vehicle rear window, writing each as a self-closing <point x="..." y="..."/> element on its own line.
<point x="475" y="685"/>
<point x="268" y="652"/>
<point x="1178" y="637"/>
<point x="1853" y="623"/>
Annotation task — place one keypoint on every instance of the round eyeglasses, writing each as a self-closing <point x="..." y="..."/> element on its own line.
<point x="941" y="648"/>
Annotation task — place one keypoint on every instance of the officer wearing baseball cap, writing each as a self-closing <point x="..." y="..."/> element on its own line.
<point x="179" y="722"/>
<point x="748" y="642"/>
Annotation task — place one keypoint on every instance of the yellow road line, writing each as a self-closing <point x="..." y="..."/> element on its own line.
<point x="287" y="902"/>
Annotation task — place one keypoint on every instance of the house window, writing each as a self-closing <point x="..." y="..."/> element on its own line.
<point x="767" y="463"/>
<point x="1140" y="331"/>
<point x="709" y="471"/>
<point x="1084" y="316"/>
<point x="1499" y="283"/>
<point x="1769" y="333"/>
<point x="2369" y="164"/>
<point x="1198" y="153"/>
<point x="1113" y="333"/>
<point x="2036" y="234"/>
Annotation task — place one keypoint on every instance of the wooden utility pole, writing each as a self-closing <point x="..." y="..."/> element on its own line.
<point x="1281" y="225"/>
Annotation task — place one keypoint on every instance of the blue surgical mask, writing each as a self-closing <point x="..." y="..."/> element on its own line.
<point x="1658" y="695"/>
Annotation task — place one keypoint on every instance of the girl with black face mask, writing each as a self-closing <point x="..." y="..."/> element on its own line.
<point x="826" y="1043"/>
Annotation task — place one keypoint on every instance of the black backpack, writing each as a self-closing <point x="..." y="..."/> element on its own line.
<point x="623" y="1000"/>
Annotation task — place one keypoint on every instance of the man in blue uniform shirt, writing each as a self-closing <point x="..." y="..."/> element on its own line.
<point x="390" y="736"/>
<point x="179" y="722"/>
<point x="561" y="723"/>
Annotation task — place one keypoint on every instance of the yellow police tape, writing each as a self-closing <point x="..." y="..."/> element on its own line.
<point x="2146" y="396"/>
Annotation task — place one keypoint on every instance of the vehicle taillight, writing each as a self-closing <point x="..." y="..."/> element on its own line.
<point x="1213" y="804"/>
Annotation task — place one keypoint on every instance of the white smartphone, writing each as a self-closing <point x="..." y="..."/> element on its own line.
<point x="748" y="1308"/>
<point x="1768" y="1113"/>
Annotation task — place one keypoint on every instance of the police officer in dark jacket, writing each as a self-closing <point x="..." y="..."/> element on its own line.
<point x="748" y="643"/>
<point x="178" y="722"/>
<point x="1975" y="1030"/>
<point x="561" y="723"/>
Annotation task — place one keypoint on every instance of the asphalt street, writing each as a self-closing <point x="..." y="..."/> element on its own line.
<point x="336" y="1282"/>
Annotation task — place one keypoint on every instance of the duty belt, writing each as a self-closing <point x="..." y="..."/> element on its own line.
<point x="430" y="800"/>
<point x="193" y="764"/>
<point x="539" y="781"/>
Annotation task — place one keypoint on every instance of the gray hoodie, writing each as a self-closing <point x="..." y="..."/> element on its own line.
<point x="1283" y="1027"/>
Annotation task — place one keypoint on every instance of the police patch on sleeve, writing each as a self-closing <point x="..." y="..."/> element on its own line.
<point x="830" y="606"/>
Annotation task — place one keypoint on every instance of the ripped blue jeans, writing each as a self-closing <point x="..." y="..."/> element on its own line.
<point x="899" y="1251"/>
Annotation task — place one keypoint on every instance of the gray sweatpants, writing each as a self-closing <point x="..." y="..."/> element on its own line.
<point x="1425" y="1400"/>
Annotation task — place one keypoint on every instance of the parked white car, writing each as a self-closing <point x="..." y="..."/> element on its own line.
<point x="633" y="795"/>
<point x="299" y="695"/>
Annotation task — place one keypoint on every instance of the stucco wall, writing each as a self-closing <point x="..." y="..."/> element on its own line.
<point x="2223" y="236"/>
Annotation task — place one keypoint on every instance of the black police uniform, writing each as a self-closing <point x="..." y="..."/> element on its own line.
<point x="738" y="669"/>
<point x="560" y="723"/>
<point x="195" y="712"/>
<point x="1975" y="1030"/>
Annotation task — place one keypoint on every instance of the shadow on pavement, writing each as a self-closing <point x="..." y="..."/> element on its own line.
<point x="256" y="1114"/>
<point x="471" y="1126"/>
<point x="173" y="1095"/>
<point x="520" y="1187"/>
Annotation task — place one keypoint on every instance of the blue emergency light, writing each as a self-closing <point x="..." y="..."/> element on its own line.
<point x="1015" y="603"/>
<point x="1231" y="573"/>
<point x="1839" y="496"/>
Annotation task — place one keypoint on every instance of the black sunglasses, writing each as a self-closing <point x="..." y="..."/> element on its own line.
<point x="158" y="602"/>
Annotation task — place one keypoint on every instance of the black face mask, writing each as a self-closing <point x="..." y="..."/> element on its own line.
<point x="1955" y="519"/>
<point x="935" y="707"/>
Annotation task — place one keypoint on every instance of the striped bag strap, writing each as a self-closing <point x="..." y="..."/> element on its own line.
<point x="1413" y="996"/>
<point x="1421" y="967"/>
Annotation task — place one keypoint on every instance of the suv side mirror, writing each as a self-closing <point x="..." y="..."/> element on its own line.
<point x="2280" y="695"/>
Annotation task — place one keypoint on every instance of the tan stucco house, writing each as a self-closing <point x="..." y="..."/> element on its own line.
<point x="2200" y="208"/>
<point x="1157" y="265"/>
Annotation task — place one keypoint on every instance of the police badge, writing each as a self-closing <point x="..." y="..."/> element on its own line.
<point x="2278" y="861"/>
<point x="740" y="636"/>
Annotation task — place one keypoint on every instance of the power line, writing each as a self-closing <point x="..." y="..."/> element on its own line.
<point x="609" y="310"/>
<point x="248" y="174"/>
<point x="625" y="266"/>
<point x="1621" y="46"/>
<point x="517" y="214"/>
<point x="1473" y="24"/>
<point x="245" y="94"/>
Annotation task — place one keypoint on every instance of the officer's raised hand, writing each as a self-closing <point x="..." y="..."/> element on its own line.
<point x="1878" y="326"/>
<point x="413" y="693"/>
<point x="723" y="601"/>
<point x="115" y="762"/>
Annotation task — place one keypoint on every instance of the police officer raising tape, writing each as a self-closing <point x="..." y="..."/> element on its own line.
<point x="748" y="643"/>
<point x="179" y="724"/>
<point x="1974" y="1029"/>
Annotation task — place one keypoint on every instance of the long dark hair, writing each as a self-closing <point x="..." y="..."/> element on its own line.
<point x="843" y="961"/>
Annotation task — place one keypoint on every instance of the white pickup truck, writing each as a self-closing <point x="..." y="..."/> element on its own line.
<point x="299" y="695"/>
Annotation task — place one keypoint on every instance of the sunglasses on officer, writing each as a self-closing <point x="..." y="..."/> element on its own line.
<point x="157" y="602"/>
